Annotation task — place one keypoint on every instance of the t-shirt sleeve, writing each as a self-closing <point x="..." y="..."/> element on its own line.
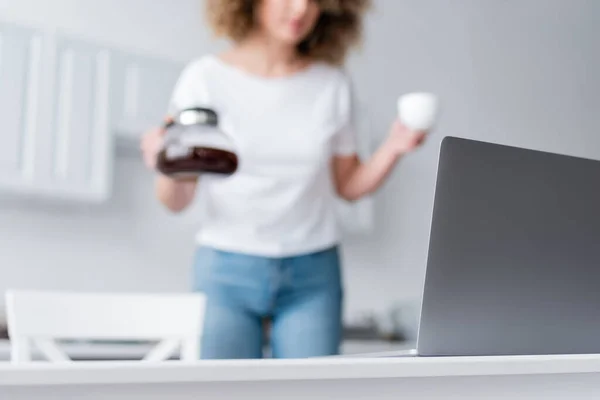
<point x="189" y="90"/>
<point x="344" y="139"/>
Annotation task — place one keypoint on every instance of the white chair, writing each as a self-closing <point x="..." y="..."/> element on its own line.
<point x="39" y="318"/>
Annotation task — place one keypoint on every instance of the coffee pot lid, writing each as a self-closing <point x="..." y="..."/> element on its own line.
<point x="195" y="116"/>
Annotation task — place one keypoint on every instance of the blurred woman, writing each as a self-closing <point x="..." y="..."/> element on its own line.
<point x="268" y="248"/>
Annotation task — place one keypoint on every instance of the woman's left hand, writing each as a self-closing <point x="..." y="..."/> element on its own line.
<point x="402" y="140"/>
<point x="355" y="179"/>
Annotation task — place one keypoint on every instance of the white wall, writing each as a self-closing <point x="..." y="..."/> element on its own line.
<point x="522" y="72"/>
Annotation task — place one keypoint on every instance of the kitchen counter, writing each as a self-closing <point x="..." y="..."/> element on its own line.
<point x="518" y="377"/>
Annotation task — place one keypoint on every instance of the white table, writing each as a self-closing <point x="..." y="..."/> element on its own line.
<point x="542" y="377"/>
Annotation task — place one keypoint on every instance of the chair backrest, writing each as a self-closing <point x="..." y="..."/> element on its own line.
<point x="39" y="318"/>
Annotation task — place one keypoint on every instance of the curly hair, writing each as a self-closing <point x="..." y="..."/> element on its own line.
<point x="338" y="28"/>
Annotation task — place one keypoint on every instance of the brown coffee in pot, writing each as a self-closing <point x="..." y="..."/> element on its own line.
<point x="198" y="159"/>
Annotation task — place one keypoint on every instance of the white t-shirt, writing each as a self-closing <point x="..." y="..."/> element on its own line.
<point x="281" y="200"/>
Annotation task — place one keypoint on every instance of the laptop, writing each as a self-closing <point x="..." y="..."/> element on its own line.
<point x="514" y="254"/>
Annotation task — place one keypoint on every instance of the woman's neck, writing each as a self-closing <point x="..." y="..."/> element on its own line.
<point x="266" y="57"/>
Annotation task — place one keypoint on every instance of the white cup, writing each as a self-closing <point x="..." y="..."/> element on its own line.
<point x="418" y="111"/>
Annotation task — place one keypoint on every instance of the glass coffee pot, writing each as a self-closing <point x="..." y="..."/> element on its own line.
<point x="194" y="145"/>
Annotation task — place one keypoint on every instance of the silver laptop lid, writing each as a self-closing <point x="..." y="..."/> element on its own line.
<point x="514" y="254"/>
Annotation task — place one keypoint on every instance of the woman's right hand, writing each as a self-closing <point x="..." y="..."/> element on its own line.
<point x="175" y="194"/>
<point x="151" y="145"/>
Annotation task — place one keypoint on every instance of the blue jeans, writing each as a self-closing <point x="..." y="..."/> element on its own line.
<point x="301" y="296"/>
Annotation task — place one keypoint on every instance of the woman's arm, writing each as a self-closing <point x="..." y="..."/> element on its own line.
<point x="176" y="195"/>
<point x="354" y="179"/>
